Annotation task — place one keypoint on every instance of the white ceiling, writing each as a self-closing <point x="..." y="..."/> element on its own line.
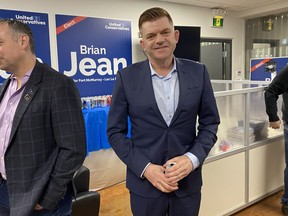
<point x="230" y="5"/>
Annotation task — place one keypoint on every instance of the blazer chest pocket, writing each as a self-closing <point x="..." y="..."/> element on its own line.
<point x="37" y="107"/>
<point x="193" y="89"/>
<point x="192" y="98"/>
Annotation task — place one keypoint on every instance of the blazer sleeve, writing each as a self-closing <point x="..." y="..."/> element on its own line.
<point x="208" y="121"/>
<point x="69" y="134"/>
<point x="117" y="129"/>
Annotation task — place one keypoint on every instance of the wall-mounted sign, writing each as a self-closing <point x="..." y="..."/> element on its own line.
<point x="92" y="50"/>
<point x="218" y="15"/>
<point x="38" y="22"/>
<point x="267" y="24"/>
<point x="218" y="21"/>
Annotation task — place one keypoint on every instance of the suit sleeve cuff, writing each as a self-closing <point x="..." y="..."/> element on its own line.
<point x="142" y="174"/>
<point x="194" y="159"/>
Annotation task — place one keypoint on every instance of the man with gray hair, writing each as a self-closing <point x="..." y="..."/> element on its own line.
<point x="42" y="132"/>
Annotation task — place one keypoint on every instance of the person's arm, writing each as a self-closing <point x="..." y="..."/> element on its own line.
<point x="208" y="121"/>
<point x="277" y="87"/>
<point x="117" y="129"/>
<point x="69" y="134"/>
<point x="271" y="97"/>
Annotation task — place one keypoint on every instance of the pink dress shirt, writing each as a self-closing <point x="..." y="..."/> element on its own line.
<point x="8" y="106"/>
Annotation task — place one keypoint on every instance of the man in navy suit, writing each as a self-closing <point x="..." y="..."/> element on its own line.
<point x="42" y="132"/>
<point x="164" y="97"/>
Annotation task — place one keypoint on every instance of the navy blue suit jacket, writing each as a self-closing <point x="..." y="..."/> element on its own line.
<point x="151" y="139"/>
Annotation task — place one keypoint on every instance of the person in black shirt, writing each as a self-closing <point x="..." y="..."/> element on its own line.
<point x="279" y="86"/>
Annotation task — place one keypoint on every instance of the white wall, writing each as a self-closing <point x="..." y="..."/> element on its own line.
<point x="182" y="15"/>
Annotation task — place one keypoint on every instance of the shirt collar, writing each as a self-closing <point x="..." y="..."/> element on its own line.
<point x="154" y="73"/>
<point x="24" y="79"/>
<point x="26" y="75"/>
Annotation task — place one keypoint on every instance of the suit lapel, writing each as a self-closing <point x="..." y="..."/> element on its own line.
<point x="150" y="91"/>
<point x="26" y="98"/>
<point x="183" y="80"/>
<point x="4" y="87"/>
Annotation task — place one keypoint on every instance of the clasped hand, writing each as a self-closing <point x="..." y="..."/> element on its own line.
<point x="167" y="180"/>
<point x="275" y="125"/>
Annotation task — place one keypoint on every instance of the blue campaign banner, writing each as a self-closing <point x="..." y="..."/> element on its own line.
<point x="38" y="22"/>
<point x="92" y="50"/>
<point x="265" y="69"/>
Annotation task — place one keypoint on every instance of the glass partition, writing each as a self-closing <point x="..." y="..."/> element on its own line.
<point x="258" y="118"/>
<point x="230" y="132"/>
<point x="243" y="117"/>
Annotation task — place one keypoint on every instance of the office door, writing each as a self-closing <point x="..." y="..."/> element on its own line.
<point x="216" y="55"/>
